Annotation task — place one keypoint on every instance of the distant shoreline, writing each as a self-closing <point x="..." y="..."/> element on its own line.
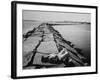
<point x="59" y="21"/>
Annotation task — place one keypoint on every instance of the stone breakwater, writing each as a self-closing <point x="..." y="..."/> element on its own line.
<point x="44" y="40"/>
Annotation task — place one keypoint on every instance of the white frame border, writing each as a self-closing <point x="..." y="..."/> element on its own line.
<point x="36" y="72"/>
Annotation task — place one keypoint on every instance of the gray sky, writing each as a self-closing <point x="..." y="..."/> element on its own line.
<point x="55" y="16"/>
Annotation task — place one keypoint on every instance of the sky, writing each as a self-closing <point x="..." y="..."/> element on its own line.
<point x="56" y="16"/>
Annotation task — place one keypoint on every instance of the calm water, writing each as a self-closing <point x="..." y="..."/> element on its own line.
<point x="80" y="35"/>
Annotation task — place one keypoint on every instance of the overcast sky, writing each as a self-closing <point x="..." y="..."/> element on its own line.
<point x="55" y="16"/>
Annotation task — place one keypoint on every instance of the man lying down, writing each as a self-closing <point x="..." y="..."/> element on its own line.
<point x="63" y="57"/>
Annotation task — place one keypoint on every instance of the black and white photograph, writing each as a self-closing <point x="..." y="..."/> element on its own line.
<point x="54" y="39"/>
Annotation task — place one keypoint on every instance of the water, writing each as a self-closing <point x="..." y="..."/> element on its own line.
<point x="80" y="35"/>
